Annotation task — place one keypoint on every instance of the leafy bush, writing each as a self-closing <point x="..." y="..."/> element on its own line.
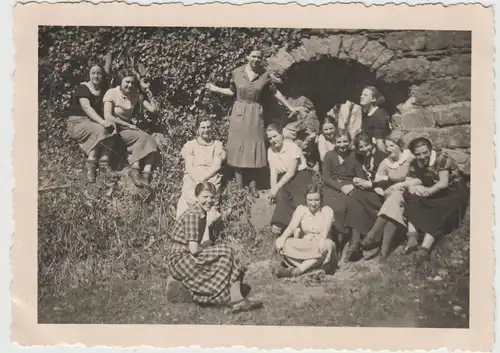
<point x="82" y="235"/>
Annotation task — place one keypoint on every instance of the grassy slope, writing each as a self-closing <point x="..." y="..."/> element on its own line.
<point x="104" y="263"/>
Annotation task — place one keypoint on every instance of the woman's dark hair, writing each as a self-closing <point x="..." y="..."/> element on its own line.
<point x="314" y="189"/>
<point x="329" y="120"/>
<point x="274" y="127"/>
<point x="204" y="186"/>
<point x="362" y="137"/>
<point x="379" y="98"/>
<point x="419" y="141"/>
<point x="202" y="120"/>
<point x="127" y="73"/>
<point x="341" y="133"/>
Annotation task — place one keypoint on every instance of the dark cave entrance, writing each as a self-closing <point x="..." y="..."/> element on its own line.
<point x="330" y="81"/>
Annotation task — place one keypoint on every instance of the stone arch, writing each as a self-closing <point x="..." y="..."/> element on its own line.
<point x="424" y="75"/>
<point x="333" y="69"/>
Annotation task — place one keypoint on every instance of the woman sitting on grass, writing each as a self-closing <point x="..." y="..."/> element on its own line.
<point x="212" y="274"/>
<point x="306" y="243"/>
<point x="384" y="204"/>
<point x="289" y="177"/>
<point x="86" y="123"/>
<point x="120" y="104"/>
<point x="366" y="200"/>
<point x="340" y="167"/>
<point x="435" y="197"/>
<point x="203" y="157"/>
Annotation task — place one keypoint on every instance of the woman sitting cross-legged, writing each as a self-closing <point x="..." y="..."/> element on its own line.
<point x="120" y="103"/>
<point x="340" y="167"/>
<point x="366" y="200"/>
<point x="390" y="179"/>
<point x="212" y="274"/>
<point x="306" y="243"/>
<point x="87" y="125"/>
<point x="435" y="197"/>
<point x="289" y="177"/>
<point x="203" y="158"/>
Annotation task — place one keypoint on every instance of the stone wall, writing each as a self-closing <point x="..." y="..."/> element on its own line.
<point x="435" y="66"/>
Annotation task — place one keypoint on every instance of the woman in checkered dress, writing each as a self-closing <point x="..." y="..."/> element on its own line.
<point x="211" y="274"/>
<point x="435" y="196"/>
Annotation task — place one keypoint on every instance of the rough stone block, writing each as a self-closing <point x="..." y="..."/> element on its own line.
<point x="450" y="137"/>
<point x="456" y="66"/>
<point x="405" y="40"/>
<point x="357" y="46"/>
<point x="320" y="45"/>
<point x="300" y="54"/>
<point x="334" y="43"/>
<point x="309" y="45"/>
<point x="442" y="91"/>
<point x="460" y="157"/>
<point x="418" y="118"/>
<point x="384" y="58"/>
<point x="437" y="40"/>
<point x="347" y="43"/>
<point x="370" y="53"/>
<point x="406" y="69"/>
<point x="452" y="114"/>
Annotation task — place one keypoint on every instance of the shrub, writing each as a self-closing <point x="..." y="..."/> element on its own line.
<point x="82" y="235"/>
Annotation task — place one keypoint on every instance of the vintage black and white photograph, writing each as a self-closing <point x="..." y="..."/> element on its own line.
<point x="254" y="176"/>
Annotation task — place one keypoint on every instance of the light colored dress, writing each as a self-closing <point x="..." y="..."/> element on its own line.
<point x="324" y="146"/>
<point x="310" y="245"/>
<point x="203" y="157"/>
<point x="395" y="171"/>
<point x="139" y="143"/>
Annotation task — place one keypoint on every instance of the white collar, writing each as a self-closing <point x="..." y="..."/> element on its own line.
<point x="405" y="156"/>
<point x="432" y="158"/>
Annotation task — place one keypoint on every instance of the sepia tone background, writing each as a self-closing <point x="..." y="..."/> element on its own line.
<point x="481" y="56"/>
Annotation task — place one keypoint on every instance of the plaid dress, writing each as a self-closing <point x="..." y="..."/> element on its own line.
<point x="439" y="213"/>
<point x="208" y="275"/>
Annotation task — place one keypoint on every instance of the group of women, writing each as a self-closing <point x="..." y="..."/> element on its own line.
<point x="372" y="186"/>
<point x="97" y="117"/>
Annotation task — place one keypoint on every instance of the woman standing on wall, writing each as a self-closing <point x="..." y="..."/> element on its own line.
<point x="246" y="150"/>
<point x="376" y="122"/>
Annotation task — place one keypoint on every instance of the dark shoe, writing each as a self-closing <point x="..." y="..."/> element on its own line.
<point x="146" y="179"/>
<point x="104" y="166"/>
<point x="422" y="256"/>
<point x="252" y="188"/>
<point x="176" y="292"/>
<point x="246" y="305"/>
<point x="135" y="175"/>
<point x="283" y="272"/>
<point x="90" y="172"/>
<point x="369" y="243"/>
<point x="412" y="243"/>
<point x="353" y="252"/>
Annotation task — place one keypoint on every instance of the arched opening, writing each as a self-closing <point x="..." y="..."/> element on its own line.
<point x="328" y="81"/>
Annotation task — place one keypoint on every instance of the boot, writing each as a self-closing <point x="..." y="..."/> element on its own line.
<point x="90" y="170"/>
<point x="146" y="179"/>
<point x="104" y="166"/>
<point x="135" y="175"/>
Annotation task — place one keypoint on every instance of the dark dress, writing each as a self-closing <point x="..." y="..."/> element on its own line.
<point x="377" y="125"/>
<point x="443" y="211"/>
<point x="87" y="132"/>
<point x="208" y="275"/>
<point x="246" y="137"/>
<point x="364" y="204"/>
<point x="335" y="175"/>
